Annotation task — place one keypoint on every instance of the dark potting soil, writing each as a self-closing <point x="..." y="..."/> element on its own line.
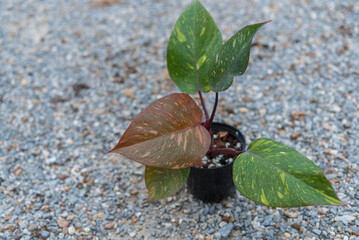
<point x="221" y="139"/>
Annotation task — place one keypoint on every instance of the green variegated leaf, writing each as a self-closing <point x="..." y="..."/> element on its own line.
<point x="275" y="175"/>
<point x="163" y="182"/>
<point x="232" y="58"/>
<point x="167" y="134"/>
<point x="191" y="47"/>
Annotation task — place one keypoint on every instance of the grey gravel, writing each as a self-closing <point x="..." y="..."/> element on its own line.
<point x="316" y="231"/>
<point x="45" y="234"/>
<point x="226" y="230"/>
<point x="74" y="73"/>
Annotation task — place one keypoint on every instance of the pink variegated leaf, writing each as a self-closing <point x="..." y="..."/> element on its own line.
<point x="167" y="134"/>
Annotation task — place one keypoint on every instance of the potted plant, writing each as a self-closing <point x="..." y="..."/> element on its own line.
<point x="170" y="139"/>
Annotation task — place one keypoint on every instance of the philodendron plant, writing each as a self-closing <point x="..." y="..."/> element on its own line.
<point x="169" y="137"/>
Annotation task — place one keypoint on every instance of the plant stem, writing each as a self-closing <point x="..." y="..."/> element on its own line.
<point x="208" y="123"/>
<point x="230" y="151"/>
<point x="203" y="105"/>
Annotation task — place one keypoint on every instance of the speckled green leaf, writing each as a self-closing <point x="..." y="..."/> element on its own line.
<point x="191" y="47"/>
<point x="275" y="175"/>
<point x="167" y="134"/>
<point x="163" y="182"/>
<point x="232" y="58"/>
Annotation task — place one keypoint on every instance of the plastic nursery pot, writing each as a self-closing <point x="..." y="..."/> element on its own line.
<point x="215" y="184"/>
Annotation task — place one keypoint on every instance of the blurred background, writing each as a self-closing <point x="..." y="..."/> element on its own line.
<point x="73" y="74"/>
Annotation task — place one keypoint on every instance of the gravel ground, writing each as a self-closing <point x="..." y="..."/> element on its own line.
<point x="74" y="73"/>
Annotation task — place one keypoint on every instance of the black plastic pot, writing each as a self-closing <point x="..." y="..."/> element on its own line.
<point x="214" y="184"/>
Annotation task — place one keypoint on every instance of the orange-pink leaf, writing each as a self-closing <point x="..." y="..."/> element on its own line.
<point x="167" y="134"/>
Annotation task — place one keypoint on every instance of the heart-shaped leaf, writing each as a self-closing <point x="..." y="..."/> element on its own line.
<point x="163" y="182"/>
<point x="191" y="47"/>
<point x="232" y="58"/>
<point x="275" y="175"/>
<point x="167" y="134"/>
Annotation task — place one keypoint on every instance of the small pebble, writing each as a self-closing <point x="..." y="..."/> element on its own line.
<point x="296" y="225"/>
<point x="226" y="230"/>
<point x="71" y="230"/>
<point x="62" y="222"/>
<point x="287" y="235"/>
<point x="32" y="227"/>
<point x="45" y="234"/>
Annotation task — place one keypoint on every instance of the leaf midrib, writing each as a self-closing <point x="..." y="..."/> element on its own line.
<point x="167" y="134"/>
<point x="198" y="85"/>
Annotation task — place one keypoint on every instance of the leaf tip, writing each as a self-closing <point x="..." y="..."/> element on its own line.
<point x="344" y="205"/>
<point x="112" y="150"/>
<point x="150" y="199"/>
